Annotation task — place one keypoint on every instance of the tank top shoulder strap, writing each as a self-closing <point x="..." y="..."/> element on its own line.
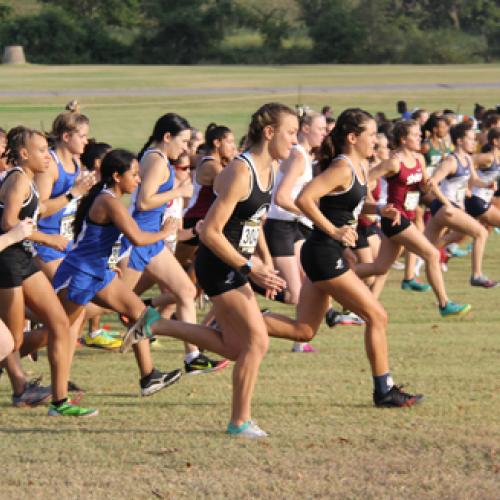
<point x="203" y="159"/>
<point x="33" y="189"/>
<point x="157" y="151"/>
<point x="303" y="152"/>
<point x="107" y="191"/>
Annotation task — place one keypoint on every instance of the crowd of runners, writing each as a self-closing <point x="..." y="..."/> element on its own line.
<point x="307" y="209"/>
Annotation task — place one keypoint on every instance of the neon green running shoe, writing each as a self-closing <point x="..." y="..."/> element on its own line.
<point x="102" y="339"/>
<point x="71" y="410"/>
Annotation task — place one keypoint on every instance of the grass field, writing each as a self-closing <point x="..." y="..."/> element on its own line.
<point x="127" y="121"/>
<point x="327" y="440"/>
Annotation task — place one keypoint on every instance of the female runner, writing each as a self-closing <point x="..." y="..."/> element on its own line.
<point x="21" y="282"/>
<point x="231" y="229"/>
<point x="84" y="275"/>
<point x="405" y="174"/>
<point x="453" y="177"/>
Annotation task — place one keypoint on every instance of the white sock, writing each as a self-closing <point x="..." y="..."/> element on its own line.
<point x="191" y="355"/>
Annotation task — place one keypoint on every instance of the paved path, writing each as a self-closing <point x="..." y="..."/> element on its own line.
<point x="305" y="89"/>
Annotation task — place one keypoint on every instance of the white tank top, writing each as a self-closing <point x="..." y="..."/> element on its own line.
<point x="276" y="212"/>
<point x="455" y="186"/>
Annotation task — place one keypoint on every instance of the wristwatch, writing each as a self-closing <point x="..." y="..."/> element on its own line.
<point x="246" y="268"/>
<point x="69" y="196"/>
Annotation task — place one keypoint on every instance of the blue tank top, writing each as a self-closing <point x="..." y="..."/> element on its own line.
<point x="94" y="246"/>
<point x="61" y="222"/>
<point x="151" y="220"/>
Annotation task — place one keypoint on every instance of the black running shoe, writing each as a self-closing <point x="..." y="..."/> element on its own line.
<point x="332" y="317"/>
<point x="203" y="364"/>
<point x="396" y="398"/>
<point x="158" y="381"/>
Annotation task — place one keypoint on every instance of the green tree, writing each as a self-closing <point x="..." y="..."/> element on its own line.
<point x="122" y="13"/>
<point x="336" y="32"/>
<point x="185" y="33"/>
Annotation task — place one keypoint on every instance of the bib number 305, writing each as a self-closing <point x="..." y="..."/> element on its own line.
<point x="249" y="237"/>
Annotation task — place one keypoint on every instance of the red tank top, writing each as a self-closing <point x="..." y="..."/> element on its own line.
<point x="403" y="189"/>
<point x="202" y="199"/>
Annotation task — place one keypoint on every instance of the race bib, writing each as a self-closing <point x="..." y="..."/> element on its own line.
<point x="67" y="227"/>
<point x="411" y="200"/>
<point x="67" y="220"/>
<point x="115" y="254"/>
<point x="249" y="237"/>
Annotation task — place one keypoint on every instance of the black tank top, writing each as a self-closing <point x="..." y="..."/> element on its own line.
<point x="343" y="208"/>
<point x="243" y="227"/>
<point x="29" y="207"/>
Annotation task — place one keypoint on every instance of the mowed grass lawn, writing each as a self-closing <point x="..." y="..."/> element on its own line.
<point x="326" y="440"/>
<point x="127" y="121"/>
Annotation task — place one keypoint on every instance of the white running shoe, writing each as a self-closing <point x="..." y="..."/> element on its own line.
<point x="399" y="266"/>
<point x="248" y="430"/>
<point x="350" y="319"/>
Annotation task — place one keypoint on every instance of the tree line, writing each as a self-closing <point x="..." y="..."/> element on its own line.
<point x="256" y="32"/>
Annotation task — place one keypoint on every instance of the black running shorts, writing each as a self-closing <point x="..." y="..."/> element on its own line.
<point x="476" y="206"/>
<point x="323" y="260"/>
<point x="389" y="230"/>
<point x="214" y="275"/>
<point x="16" y="265"/>
<point x="281" y="236"/>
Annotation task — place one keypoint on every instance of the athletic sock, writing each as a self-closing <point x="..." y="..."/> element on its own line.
<point x="190" y="356"/>
<point x="59" y="403"/>
<point x="383" y="383"/>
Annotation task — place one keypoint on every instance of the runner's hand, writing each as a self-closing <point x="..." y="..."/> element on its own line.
<point x="347" y="235"/>
<point x="389" y="212"/>
<point x="22" y="230"/>
<point x="82" y="186"/>
<point x="267" y="277"/>
<point x="170" y="226"/>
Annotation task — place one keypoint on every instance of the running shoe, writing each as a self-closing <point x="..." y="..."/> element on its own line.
<point x="303" y="347"/>
<point x="483" y="281"/>
<point x="102" y="339"/>
<point x="158" y="380"/>
<point x="70" y="409"/>
<point x="34" y="394"/>
<point x="396" y="398"/>
<point x="249" y="430"/>
<point x="453" y="309"/>
<point x="141" y="329"/>
<point x="332" y="317"/>
<point x="397" y="265"/>
<point x="350" y="318"/>
<point x="203" y="364"/>
<point x="414" y="285"/>
<point x="454" y="250"/>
